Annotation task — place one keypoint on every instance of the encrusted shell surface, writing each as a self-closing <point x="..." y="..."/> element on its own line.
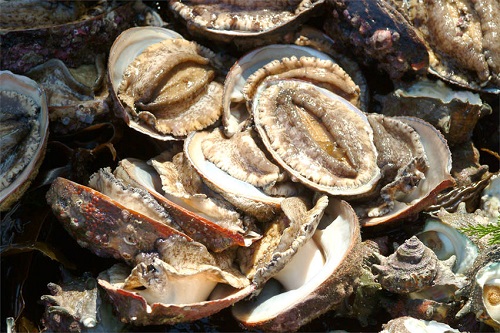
<point x="74" y="302"/>
<point x="378" y="33"/>
<point x="437" y="176"/>
<point x="24" y="128"/>
<point x="279" y="309"/>
<point x="30" y="44"/>
<point x="244" y="24"/>
<point x="76" y="97"/>
<point x="102" y="224"/>
<point x="454" y="112"/>
<point x="193" y="222"/>
<point x="410" y="268"/>
<point x="460" y="38"/>
<point x="322" y="140"/>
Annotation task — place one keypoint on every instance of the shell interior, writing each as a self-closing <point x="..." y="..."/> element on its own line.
<point x="488" y="278"/>
<point x="249" y="64"/>
<point x="124" y="50"/>
<point x="334" y="237"/>
<point x="446" y="241"/>
<point x="25" y="86"/>
<point x="225" y="182"/>
<point x="437" y="176"/>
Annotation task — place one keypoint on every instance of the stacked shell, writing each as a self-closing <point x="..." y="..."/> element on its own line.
<point x="245" y="207"/>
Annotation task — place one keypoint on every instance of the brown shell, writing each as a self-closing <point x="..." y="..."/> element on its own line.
<point x="241" y="24"/>
<point x="215" y="237"/>
<point x="275" y="310"/>
<point x="437" y="176"/>
<point x="411" y="268"/>
<point x="26" y="47"/>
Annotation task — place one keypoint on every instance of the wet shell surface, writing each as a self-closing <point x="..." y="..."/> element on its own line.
<point x="454" y="112"/>
<point x="236" y="168"/>
<point x="445" y="240"/>
<point x="483" y="291"/>
<point x="102" y="224"/>
<point x="135" y="309"/>
<point x="170" y="105"/>
<point x="24" y="120"/>
<point x="460" y="38"/>
<point x="235" y="114"/>
<point x="318" y="137"/>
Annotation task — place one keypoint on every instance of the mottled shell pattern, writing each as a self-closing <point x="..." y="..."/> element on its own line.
<point x="410" y="268"/>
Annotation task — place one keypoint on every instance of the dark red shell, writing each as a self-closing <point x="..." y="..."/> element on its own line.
<point x="103" y="225"/>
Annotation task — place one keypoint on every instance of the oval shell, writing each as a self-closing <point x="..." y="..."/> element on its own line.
<point x="21" y="98"/>
<point x="322" y="140"/>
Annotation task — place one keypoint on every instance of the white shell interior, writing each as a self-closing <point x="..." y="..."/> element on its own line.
<point x="425" y="326"/>
<point x="221" y="179"/>
<point x="334" y="237"/>
<point x="453" y="242"/>
<point x="439" y="157"/>
<point x="439" y="90"/>
<point x="129" y="44"/>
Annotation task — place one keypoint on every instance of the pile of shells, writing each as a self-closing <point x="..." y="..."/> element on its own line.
<point x="280" y="182"/>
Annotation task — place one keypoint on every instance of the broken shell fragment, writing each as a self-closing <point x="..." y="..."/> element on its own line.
<point x="279" y="309"/>
<point x="318" y="137"/>
<point x="24" y="120"/>
<point x="73" y="302"/>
